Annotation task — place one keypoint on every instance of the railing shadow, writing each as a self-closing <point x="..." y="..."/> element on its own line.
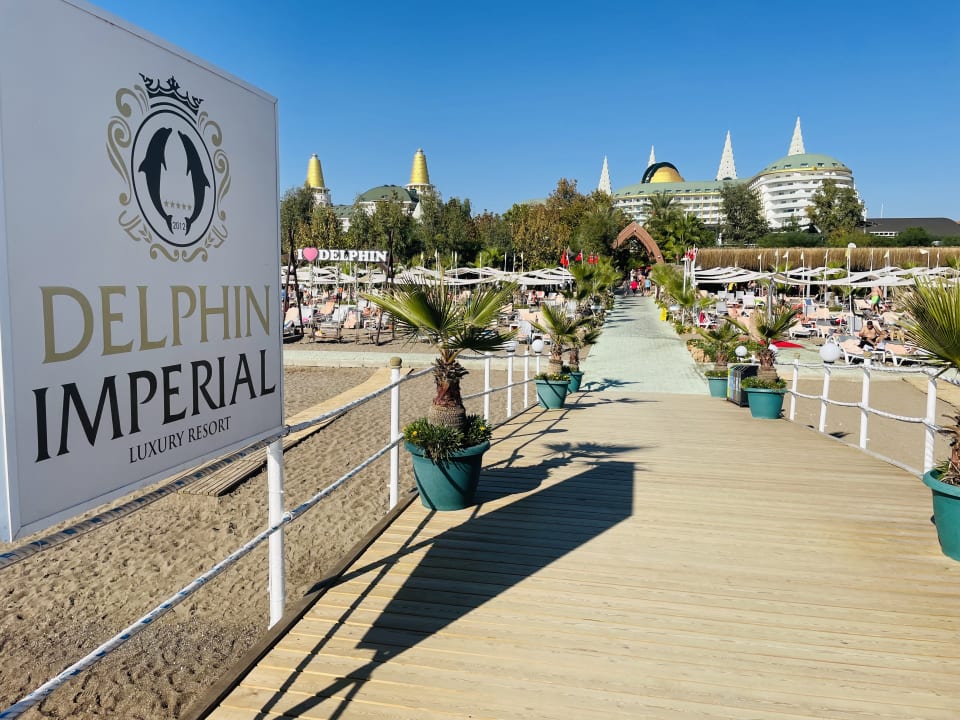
<point x="464" y="567"/>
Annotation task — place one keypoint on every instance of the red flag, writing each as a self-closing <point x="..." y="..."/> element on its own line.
<point x="579" y="257"/>
<point x="564" y="260"/>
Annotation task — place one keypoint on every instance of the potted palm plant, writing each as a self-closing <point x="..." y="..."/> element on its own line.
<point x="765" y="391"/>
<point x="584" y="336"/>
<point x="553" y="385"/>
<point x="931" y="321"/>
<point x="447" y="445"/>
<point x="717" y="344"/>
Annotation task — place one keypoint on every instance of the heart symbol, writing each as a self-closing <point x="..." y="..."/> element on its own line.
<point x="310" y="254"/>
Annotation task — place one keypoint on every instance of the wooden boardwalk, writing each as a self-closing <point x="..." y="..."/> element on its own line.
<point x="639" y="557"/>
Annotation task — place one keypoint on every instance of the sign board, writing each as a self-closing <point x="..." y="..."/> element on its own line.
<point x="139" y="257"/>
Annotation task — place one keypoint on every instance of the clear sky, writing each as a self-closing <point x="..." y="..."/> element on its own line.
<point x="505" y="98"/>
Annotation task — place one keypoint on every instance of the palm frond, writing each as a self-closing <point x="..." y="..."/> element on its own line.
<point x="932" y="320"/>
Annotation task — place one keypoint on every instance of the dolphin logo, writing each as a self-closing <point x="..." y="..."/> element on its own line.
<point x="153" y="165"/>
<point x="199" y="178"/>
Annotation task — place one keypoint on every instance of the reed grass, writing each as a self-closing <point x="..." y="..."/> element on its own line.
<point x="861" y="259"/>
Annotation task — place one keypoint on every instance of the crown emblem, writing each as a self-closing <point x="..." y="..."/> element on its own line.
<point x="171" y="90"/>
<point x="175" y="172"/>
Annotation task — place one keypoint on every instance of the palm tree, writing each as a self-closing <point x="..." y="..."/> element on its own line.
<point x="584" y="336"/>
<point x="717" y="343"/>
<point x="769" y="329"/>
<point x="658" y="205"/>
<point x="932" y="323"/>
<point x="562" y="330"/>
<point x="429" y="311"/>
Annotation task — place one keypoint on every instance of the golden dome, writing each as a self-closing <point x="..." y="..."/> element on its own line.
<point x="314" y="173"/>
<point x="666" y="174"/>
<point x="419" y="174"/>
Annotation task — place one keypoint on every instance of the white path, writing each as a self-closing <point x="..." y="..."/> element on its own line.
<point x="640" y="353"/>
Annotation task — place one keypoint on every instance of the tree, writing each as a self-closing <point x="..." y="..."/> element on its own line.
<point x="392" y="228"/>
<point x="325" y="228"/>
<point x="743" y="219"/>
<point x="360" y="235"/>
<point x="911" y="237"/>
<point x="296" y="209"/>
<point x="599" y="225"/>
<point x="835" y="211"/>
<point x="658" y="205"/>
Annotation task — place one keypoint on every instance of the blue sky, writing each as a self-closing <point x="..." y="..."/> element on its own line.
<point x="506" y="98"/>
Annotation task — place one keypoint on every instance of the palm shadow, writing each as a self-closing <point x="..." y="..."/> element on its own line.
<point x="464" y="567"/>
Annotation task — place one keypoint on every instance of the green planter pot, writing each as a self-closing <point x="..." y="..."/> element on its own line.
<point x="718" y="386"/>
<point x="576" y="376"/>
<point x="551" y="394"/>
<point x="765" y="404"/>
<point x="946" y="513"/>
<point x="449" y="484"/>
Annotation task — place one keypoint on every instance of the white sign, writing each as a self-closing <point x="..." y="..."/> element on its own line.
<point x="311" y="254"/>
<point x="139" y="294"/>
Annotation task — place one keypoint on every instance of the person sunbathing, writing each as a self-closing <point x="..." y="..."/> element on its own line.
<point x="870" y="335"/>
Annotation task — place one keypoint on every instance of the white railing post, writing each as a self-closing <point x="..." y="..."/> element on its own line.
<point x="930" y="419"/>
<point x="793" y="387"/>
<point x="865" y="402"/>
<point x="395" y="365"/>
<point x="526" y="379"/>
<point x="824" y="394"/>
<point x="486" y="387"/>
<point x="276" y="572"/>
<point x="510" y="384"/>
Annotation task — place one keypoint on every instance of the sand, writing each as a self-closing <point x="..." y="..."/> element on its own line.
<point x="63" y="602"/>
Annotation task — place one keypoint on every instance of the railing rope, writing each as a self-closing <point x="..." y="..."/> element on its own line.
<point x="863" y="406"/>
<point x="277" y="519"/>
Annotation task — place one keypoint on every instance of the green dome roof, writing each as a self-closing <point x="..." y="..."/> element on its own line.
<point x="388" y="192"/>
<point x="804" y="161"/>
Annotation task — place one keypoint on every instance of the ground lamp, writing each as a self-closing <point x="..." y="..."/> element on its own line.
<point x="829" y="352"/>
<point x="537" y="347"/>
<point x="740" y="351"/>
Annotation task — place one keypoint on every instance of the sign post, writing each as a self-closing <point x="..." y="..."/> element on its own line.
<point x="139" y="294"/>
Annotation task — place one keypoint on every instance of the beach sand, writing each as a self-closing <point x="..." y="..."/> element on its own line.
<point x="60" y="603"/>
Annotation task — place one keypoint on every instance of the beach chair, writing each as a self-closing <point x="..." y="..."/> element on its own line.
<point x="900" y="354"/>
<point x="852" y="352"/>
<point x="799" y="330"/>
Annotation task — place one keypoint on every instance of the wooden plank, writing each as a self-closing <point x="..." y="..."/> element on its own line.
<point x="613" y="577"/>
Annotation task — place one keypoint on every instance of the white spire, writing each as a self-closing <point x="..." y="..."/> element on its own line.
<point x="796" y="143"/>
<point x="604" y="185"/>
<point x="728" y="170"/>
<point x="653" y="158"/>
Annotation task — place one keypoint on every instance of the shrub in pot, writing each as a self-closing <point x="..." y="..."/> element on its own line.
<point x="446" y="435"/>
<point x="931" y="321"/>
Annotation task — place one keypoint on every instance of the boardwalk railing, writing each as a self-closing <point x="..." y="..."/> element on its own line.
<point x="867" y="370"/>
<point x="278" y="517"/>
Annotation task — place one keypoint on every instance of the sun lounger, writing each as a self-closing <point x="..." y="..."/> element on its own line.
<point x="852" y="352"/>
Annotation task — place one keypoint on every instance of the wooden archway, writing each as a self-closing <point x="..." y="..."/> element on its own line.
<point x="634" y="231"/>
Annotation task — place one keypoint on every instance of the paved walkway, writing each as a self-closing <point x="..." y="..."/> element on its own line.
<point x="654" y="556"/>
<point x="639" y="353"/>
